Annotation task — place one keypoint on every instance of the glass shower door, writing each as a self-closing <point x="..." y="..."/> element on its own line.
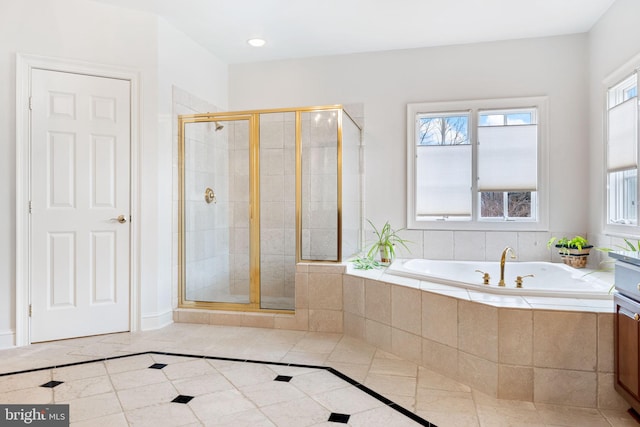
<point x="215" y="255"/>
<point x="261" y="191"/>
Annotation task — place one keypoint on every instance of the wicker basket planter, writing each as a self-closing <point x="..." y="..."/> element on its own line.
<point x="575" y="261"/>
<point x="576" y="258"/>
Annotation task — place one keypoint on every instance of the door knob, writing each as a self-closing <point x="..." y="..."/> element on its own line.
<point x="121" y="219"/>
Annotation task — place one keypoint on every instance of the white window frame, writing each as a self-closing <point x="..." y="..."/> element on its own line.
<point x="619" y="76"/>
<point x="540" y="223"/>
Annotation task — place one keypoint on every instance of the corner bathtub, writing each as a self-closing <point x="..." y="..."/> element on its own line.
<point x="550" y="279"/>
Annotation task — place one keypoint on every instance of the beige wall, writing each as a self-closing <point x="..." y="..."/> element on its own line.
<point x="81" y="30"/>
<point x="386" y="81"/>
<point x="613" y="41"/>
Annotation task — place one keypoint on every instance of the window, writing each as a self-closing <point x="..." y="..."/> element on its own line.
<point x="443" y="166"/>
<point x="622" y="152"/>
<point x="475" y="164"/>
<point x="507" y="164"/>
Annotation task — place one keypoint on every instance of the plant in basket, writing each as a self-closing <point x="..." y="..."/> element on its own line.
<point x="574" y="251"/>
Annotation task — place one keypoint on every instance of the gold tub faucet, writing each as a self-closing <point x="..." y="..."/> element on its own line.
<point x="503" y="257"/>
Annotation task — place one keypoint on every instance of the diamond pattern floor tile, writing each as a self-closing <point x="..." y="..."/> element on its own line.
<point x="223" y="389"/>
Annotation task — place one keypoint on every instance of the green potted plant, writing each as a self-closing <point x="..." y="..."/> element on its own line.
<point x="628" y="246"/>
<point x="387" y="238"/>
<point x="574" y="251"/>
<point x="364" y="263"/>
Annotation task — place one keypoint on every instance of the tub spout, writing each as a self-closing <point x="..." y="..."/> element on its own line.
<point x="503" y="257"/>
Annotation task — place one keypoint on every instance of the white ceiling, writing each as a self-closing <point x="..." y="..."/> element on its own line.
<point x="304" y="28"/>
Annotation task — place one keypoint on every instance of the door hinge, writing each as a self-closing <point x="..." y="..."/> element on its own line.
<point x="29" y="206"/>
<point x="30" y="103"/>
<point x="30" y="310"/>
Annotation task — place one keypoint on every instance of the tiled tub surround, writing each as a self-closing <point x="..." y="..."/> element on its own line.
<point x="537" y="349"/>
<point x="548" y="350"/>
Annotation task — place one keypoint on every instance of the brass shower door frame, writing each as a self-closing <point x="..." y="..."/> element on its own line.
<point x="253" y="117"/>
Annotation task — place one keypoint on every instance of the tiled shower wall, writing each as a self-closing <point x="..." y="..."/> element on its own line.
<point x="352" y="186"/>
<point x="319" y="196"/>
<point x="238" y="159"/>
<point x="277" y="209"/>
<point x="206" y="166"/>
<point x="204" y="234"/>
<point x="320" y="185"/>
<point x="219" y="241"/>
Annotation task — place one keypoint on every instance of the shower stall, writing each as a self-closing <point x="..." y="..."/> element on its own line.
<point x="261" y="191"/>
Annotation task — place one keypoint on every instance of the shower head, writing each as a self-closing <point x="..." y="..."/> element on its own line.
<point x="218" y="126"/>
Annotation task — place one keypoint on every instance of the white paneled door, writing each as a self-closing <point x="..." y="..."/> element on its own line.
<point x="80" y="205"/>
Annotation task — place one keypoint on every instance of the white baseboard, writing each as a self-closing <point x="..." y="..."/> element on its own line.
<point x="7" y="339"/>
<point x="156" y="320"/>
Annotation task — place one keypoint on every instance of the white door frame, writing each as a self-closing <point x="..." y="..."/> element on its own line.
<point x="24" y="65"/>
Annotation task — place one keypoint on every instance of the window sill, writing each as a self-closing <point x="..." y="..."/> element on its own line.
<point x="477" y="225"/>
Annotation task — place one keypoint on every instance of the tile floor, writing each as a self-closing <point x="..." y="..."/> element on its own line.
<point x="135" y="382"/>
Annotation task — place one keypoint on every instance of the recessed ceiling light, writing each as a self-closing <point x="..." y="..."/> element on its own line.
<point x="256" y="42"/>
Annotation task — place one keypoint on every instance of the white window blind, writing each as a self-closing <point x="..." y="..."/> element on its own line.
<point x="443" y="180"/>
<point x="507" y="158"/>
<point x="623" y="136"/>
